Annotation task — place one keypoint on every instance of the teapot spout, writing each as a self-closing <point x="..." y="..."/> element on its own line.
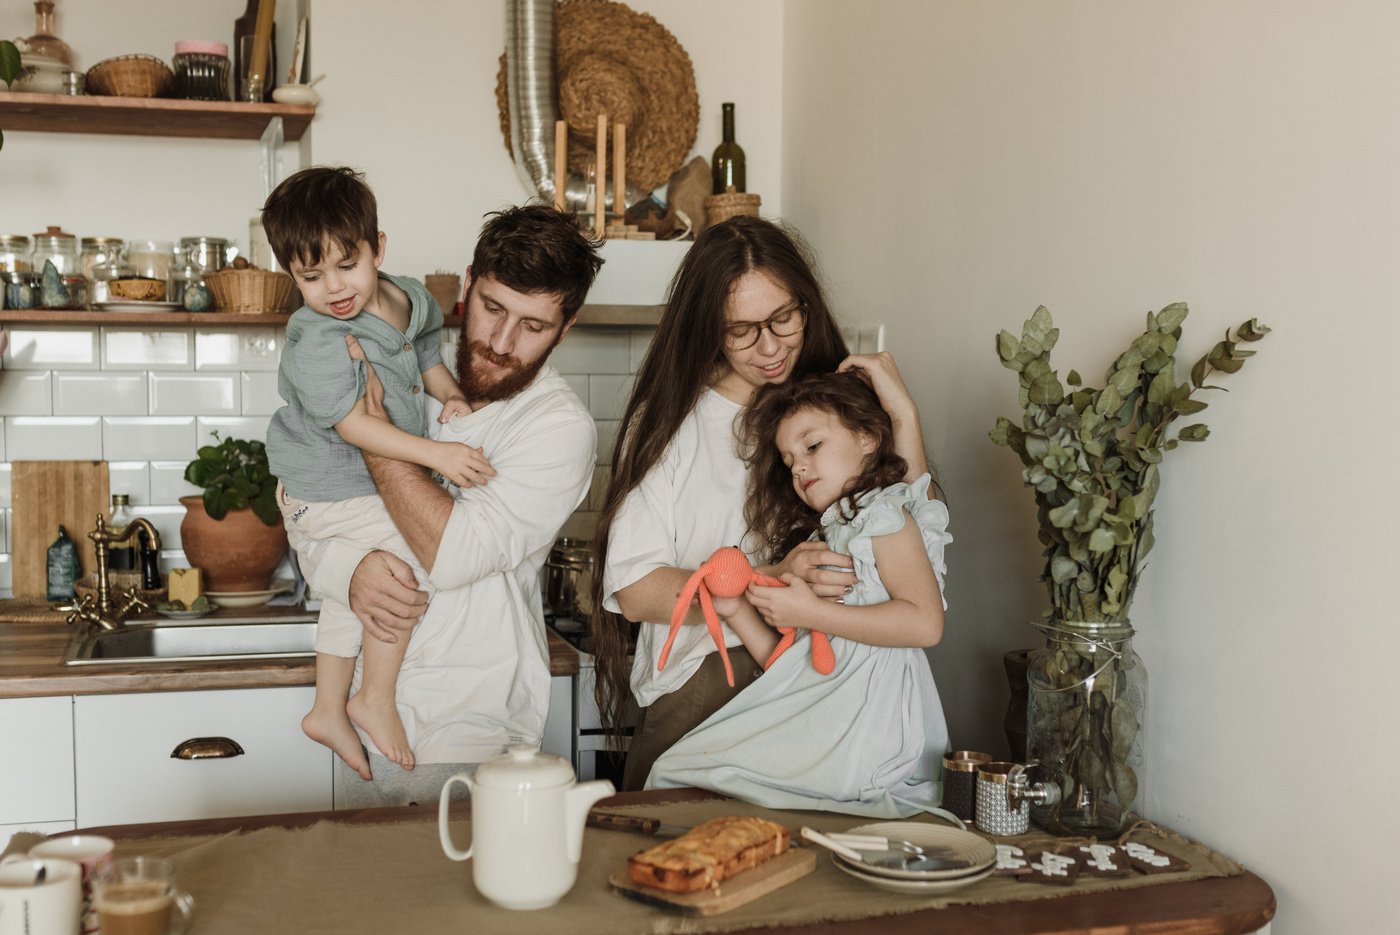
<point x="580" y="799"/>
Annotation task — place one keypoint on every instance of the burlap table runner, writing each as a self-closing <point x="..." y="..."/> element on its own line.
<point x="333" y="877"/>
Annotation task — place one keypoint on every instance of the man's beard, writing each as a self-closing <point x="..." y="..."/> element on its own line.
<point x="513" y="378"/>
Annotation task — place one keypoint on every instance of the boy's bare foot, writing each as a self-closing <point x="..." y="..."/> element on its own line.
<point x="336" y="732"/>
<point x="382" y="723"/>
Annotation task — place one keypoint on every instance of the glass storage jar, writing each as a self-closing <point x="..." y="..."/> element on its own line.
<point x="210" y="254"/>
<point x="100" y="251"/>
<point x="59" y="246"/>
<point x="14" y="253"/>
<point x="201" y="70"/>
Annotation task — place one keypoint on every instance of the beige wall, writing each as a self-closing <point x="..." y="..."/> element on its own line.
<point x="958" y="164"/>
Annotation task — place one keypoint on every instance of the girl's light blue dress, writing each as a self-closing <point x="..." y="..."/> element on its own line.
<point x="869" y="738"/>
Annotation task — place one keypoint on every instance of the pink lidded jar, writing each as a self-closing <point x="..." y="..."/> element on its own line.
<point x="201" y="70"/>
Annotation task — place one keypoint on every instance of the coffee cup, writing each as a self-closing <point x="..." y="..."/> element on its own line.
<point x="89" y="852"/>
<point x="41" y="897"/>
<point x="1001" y="809"/>
<point x="137" y="896"/>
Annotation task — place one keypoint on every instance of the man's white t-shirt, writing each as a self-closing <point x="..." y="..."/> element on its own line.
<point x="690" y="504"/>
<point x="476" y="675"/>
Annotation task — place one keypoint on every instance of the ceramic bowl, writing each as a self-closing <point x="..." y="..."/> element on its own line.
<point x="296" y="94"/>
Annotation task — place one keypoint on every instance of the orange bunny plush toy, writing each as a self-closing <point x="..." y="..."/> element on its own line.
<point x="727" y="573"/>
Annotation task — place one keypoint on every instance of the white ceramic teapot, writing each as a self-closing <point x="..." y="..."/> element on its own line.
<point x="527" y="826"/>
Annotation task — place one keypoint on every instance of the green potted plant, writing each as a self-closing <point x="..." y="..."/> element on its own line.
<point x="1092" y="456"/>
<point x="9" y="69"/>
<point x="233" y="530"/>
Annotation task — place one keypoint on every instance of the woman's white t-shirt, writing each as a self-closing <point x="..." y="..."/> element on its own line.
<point x="690" y="504"/>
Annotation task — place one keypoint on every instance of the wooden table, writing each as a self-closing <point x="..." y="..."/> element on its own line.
<point x="1215" y="906"/>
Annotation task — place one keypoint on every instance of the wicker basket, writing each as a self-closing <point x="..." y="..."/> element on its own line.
<point x="730" y="204"/>
<point x="130" y="76"/>
<point x="249" y="291"/>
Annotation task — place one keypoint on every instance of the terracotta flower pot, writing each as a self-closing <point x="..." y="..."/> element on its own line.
<point x="237" y="553"/>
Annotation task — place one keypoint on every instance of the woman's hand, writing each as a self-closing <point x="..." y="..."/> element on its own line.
<point x="792" y="606"/>
<point x="829" y="574"/>
<point x="880" y="371"/>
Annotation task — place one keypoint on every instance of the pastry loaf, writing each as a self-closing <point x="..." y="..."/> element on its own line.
<point x="708" y="853"/>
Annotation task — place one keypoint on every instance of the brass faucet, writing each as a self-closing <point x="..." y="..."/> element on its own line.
<point x="102" y="612"/>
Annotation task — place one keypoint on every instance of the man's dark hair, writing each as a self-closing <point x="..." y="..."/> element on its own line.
<point x="537" y="248"/>
<point x="319" y="205"/>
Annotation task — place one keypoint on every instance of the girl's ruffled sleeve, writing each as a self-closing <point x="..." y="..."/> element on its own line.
<point x="885" y="514"/>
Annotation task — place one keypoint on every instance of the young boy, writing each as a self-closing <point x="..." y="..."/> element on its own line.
<point x="323" y="226"/>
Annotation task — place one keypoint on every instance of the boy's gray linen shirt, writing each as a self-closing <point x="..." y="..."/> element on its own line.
<point x="320" y="385"/>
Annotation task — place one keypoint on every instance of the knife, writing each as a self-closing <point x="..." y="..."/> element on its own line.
<point x="638" y="824"/>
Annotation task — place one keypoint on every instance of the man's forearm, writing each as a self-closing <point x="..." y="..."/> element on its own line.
<point x="419" y="507"/>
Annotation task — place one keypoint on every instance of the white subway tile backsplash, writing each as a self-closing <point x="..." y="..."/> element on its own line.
<point x="5" y="530"/>
<point x="592" y="350"/>
<point x="248" y="427"/>
<point x="581" y="525"/>
<point x="136" y="349"/>
<point x="132" y="478"/>
<point x="55" y="438"/>
<point x="87" y="393"/>
<point x="598" y="490"/>
<point x="168" y="482"/>
<point x="7" y="579"/>
<point x="238" y="349"/>
<point x="260" y="396"/>
<point x="148" y="438"/>
<point x="607" y="395"/>
<point x="26" y="394"/>
<point x="3" y="454"/>
<point x="578" y="382"/>
<point x="5" y="485"/>
<point x="201" y="394"/>
<point x="49" y="348"/>
<point x="607" y="437"/>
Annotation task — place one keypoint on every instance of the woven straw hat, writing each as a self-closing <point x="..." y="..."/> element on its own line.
<point x="611" y="59"/>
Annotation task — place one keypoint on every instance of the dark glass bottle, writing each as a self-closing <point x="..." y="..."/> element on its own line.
<point x="727" y="165"/>
<point x="243" y="29"/>
<point x="121" y="557"/>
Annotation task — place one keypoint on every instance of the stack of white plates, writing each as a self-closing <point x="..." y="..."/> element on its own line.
<point x="964" y="858"/>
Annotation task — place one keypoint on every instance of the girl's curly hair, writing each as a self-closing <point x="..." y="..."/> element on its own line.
<point x="773" y="510"/>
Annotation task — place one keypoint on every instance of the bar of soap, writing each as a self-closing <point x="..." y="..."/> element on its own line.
<point x="184" y="586"/>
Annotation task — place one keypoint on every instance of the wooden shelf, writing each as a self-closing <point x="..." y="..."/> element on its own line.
<point x="602" y="316"/>
<point x="35" y="316"/>
<point x="147" y="116"/>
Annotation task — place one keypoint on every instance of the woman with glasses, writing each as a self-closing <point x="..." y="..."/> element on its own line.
<point x="745" y="310"/>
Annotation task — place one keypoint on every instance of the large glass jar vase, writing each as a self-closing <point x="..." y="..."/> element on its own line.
<point x="1086" y="713"/>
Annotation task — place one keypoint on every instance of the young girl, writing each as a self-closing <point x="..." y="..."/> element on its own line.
<point x="869" y="738"/>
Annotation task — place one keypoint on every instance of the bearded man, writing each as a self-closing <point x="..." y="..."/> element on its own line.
<point x="475" y="678"/>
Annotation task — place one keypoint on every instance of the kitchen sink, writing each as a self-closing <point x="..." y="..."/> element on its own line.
<point x="229" y="639"/>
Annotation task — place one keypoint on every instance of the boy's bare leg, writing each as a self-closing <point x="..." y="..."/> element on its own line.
<point x="328" y="722"/>
<point x="373" y="707"/>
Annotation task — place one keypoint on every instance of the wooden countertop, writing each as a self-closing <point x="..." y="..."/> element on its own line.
<point x="31" y="664"/>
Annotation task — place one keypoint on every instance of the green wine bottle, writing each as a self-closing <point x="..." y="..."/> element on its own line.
<point x="727" y="165"/>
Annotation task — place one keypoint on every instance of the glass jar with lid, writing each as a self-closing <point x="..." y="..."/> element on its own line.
<point x="201" y="70"/>
<point x="14" y="253"/>
<point x="58" y="246"/>
<point x="111" y="264"/>
<point x="210" y="254"/>
<point x="101" y="251"/>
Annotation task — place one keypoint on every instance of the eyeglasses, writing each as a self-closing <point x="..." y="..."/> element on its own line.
<point x="783" y="323"/>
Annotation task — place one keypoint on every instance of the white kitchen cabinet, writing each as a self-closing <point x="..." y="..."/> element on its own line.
<point x="559" y="722"/>
<point x="36" y="765"/>
<point x="126" y="771"/>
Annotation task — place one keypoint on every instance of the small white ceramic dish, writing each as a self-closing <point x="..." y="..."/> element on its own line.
<point x="973" y="852"/>
<point x="296" y="94"/>
<point x="912" y="887"/>
<point x="250" y="598"/>
<point x="188" y="614"/>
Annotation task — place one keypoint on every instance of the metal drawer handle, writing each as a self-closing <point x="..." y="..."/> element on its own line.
<point x="207" y="748"/>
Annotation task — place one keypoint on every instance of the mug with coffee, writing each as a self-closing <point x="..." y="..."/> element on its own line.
<point x="137" y="896"/>
<point x="90" y="852"/>
<point x="41" y="897"/>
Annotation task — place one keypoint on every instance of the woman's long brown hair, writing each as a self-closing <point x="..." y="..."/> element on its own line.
<point x="774" y="511"/>
<point x="684" y="357"/>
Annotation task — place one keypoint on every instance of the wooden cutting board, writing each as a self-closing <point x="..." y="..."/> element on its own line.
<point x="44" y="494"/>
<point x="730" y="894"/>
